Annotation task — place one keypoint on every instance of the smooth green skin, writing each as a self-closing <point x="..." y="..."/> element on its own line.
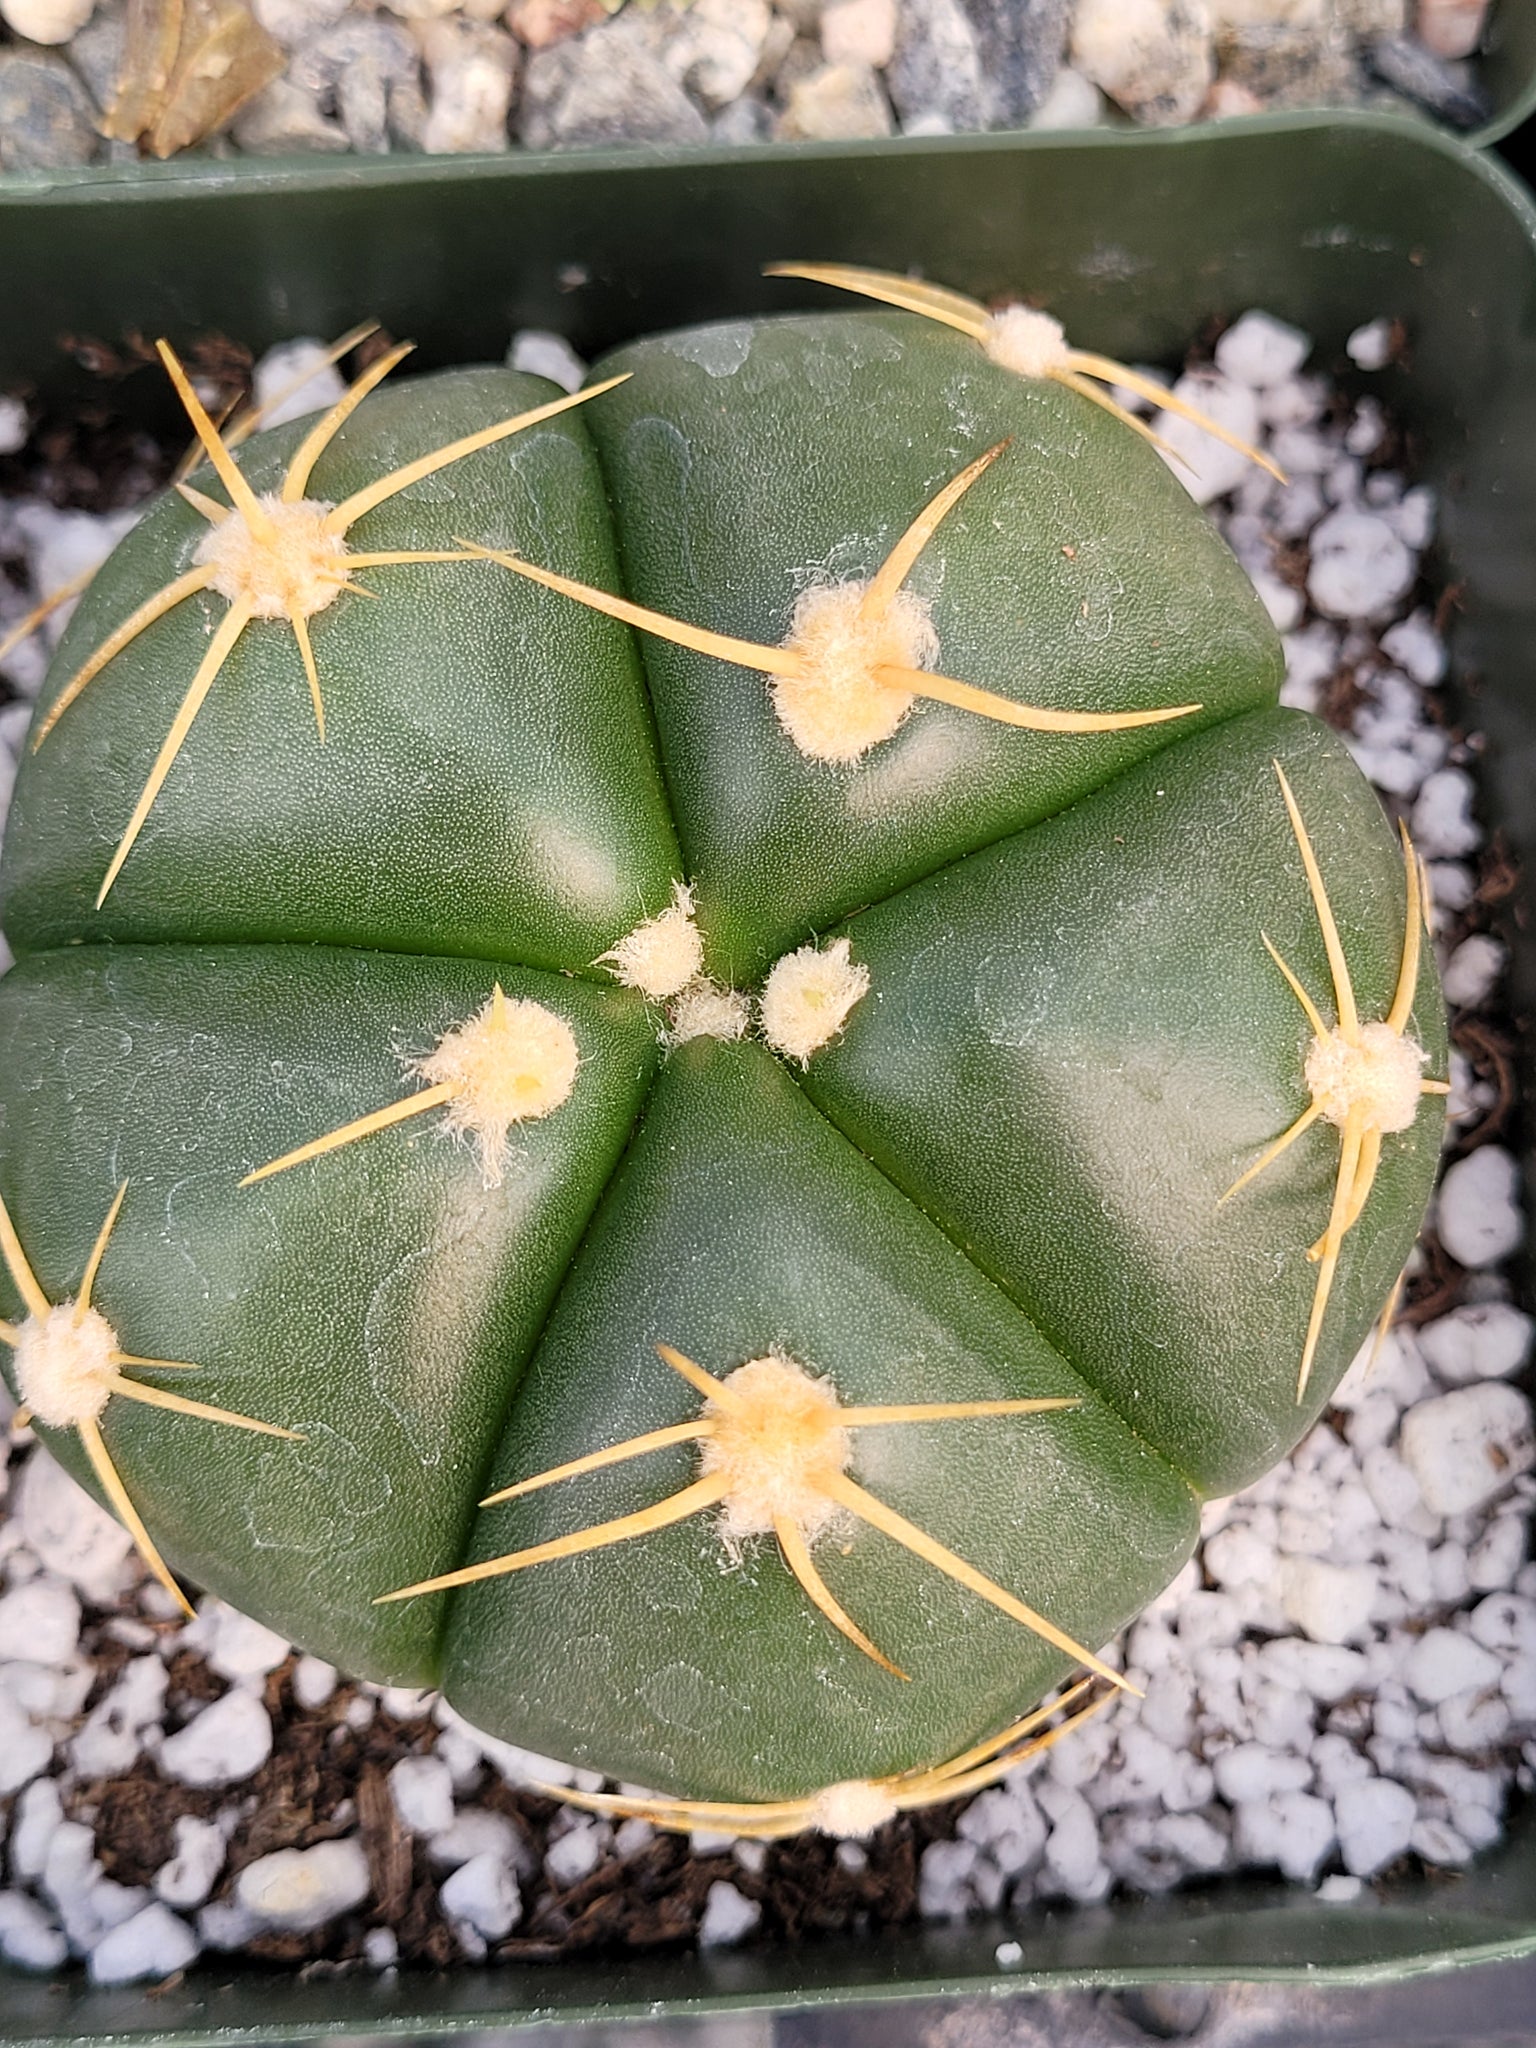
<point x="382" y="1301"/>
<point x="743" y="1223"/>
<point x="488" y="783"/>
<point x="1073" y="1042"/>
<point x="1091" y="1043"/>
<point x="1076" y="574"/>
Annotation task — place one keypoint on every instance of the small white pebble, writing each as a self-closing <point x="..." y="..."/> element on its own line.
<point x="35" y="1817"/>
<point x="1413" y="518"/>
<point x="1330" y="1603"/>
<point x="1498" y="1554"/>
<point x="13" y="425"/>
<point x="1476" y="1720"/>
<point x="1364" y="432"/>
<point x="1294" y="1831"/>
<point x="633" y="1836"/>
<point x="1417" y="648"/>
<point x="1464" y="1447"/>
<point x="1251" y="1772"/>
<point x="314" y="1681"/>
<point x="1370" y="346"/>
<point x="1439" y="1844"/>
<point x="1443" y="825"/>
<point x="729" y="1917"/>
<point x="1260" y="351"/>
<point x="229" y="1739"/>
<point x="483" y="1893"/>
<point x="1360" y="569"/>
<point x="381" y="1948"/>
<point x="297" y="1889"/>
<point x="574" y="1856"/>
<point x="753" y="1856"/>
<point x="155" y="1943"/>
<point x="65" y="1528"/>
<point x="25" y="1750"/>
<point x="190" y="1875"/>
<point x="41" y="1619"/>
<point x="28" y="1938"/>
<point x="1339" y="1890"/>
<point x="1481" y="1340"/>
<point x="422" y="1789"/>
<point x="1375" y="1818"/>
<point x="543" y="354"/>
<point x="1008" y="1955"/>
<point x="293" y="379"/>
<point x="242" y="1648"/>
<point x="1209" y="469"/>
<point x="1281" y="600"/>
<point x="225" y="1926"/>
<point x="1473" y="970"/>
<point x="1444" y="1662"/>
<point x="476" y="1831"/>
<point x="1451" y="885"/>
<point x="1478" y="1214"/>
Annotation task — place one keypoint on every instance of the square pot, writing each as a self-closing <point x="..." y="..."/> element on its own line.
<point x="1133" y="241"/>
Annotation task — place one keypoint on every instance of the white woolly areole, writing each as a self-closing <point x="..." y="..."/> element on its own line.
<point x="1377" y="1076"/>
<point x="66" y="1365"/>
<point x="664" y="954"/>
<point x="1030" y="344"/>
<point x="807" y="997"/>
<point x="776" y="1445"/>
<point x="514" y="1061"/>
<point x="292" y="572"/>
<point x="836" y="709"/>
<point x="853" y="1810"/>
<point x="706" y="1009"/>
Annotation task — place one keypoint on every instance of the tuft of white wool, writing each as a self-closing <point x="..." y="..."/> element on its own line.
<point x="66" y="1364"/>
<point x="1379" y="1072"/>
<point x="512" y="1062"/>
<point x="777" y="1441"/>
<point x="807" y="997"/>
<point x="705" y="1009"/>
<point x="661" y="956"/>
<point x="852" y="1810"/>
<point x="834" y="707"/>
<point x="292" y="570"/>
<point x="1030" y="344"/>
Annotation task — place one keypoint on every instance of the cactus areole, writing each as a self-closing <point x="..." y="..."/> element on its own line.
<point x="691" y="1060"/>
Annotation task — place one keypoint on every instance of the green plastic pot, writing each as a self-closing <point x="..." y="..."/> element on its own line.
<point x="1132" y="241"/>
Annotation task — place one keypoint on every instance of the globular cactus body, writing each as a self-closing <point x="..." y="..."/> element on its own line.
<point x="951" y="1217"/>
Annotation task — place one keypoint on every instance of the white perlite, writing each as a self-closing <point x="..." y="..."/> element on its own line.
<point x="296" y="1889"/>
<point x="226" y="1742"/>
<point x="152" y="1945"/>
<point x="1478" y="1215"/>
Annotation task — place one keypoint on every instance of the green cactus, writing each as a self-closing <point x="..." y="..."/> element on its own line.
<point x="766" y="1029"/>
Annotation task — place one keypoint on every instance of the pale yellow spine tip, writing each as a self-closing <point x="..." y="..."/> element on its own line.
<point x="807" y="998"/>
